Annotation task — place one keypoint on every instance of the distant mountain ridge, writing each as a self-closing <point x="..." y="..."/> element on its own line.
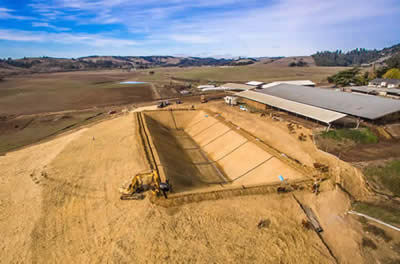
<point x="356" y="57"/>
<point x="48" y="64"/>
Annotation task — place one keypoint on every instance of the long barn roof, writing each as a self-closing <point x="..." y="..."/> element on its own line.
<point x="368" y="107"/>
<point x="370" y="89"/>
<point x="237" y="86"/>
<point x="316" y="113"/>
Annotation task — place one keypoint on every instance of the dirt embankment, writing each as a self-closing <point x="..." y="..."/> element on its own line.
<point x="276" y="134"/>
<point x="63" y="206"/>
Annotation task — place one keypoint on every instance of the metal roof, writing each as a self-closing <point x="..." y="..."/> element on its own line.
<point x="298" y="82"/>
<point x="205" y="86"/>
<point x="236" y="86"/>
<point x="316" y="113"/>
<point x="372" y="89"/>
<point x="388" y="81"/>
<point x="254" y="83"/>
<point x="369" y="107"/>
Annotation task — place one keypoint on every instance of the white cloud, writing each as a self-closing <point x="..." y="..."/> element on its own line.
<point x="289" y="27"/>
<point x="47" y="25"/>
<point x="95" y="40"/>
<point x="191" y="39"/>
<point x="6" y="13"/>
<point x="247" y="28"/>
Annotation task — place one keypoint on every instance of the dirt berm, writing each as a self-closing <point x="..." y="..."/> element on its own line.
<point x="59" y="203"/>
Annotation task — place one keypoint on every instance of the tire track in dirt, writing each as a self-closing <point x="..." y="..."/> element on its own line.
<point x="85" y="211"/>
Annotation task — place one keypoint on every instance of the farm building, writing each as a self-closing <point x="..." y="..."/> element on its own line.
<point x="393" y="92"/>
<point x="205" y="86"/>
<point x="229" y="87"/>
<point x="263" y="101"/>
<point x="236" y="87"/>
<point x="371" y="108"/>
<point x="256" y="84"/>
<point x="299" y="82"/>
<point x="389" y="83"/>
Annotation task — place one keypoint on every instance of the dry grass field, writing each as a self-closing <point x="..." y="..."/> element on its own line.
<point x="261" y="72"/>
<point x="38" y="93"/>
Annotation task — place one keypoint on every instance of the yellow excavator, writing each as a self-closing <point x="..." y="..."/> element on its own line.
<point x="143" y="182"/>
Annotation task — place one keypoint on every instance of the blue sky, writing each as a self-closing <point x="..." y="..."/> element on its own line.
<point x="73" y="28"/>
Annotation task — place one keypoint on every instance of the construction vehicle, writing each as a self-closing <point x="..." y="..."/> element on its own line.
<point x="142" y="182"/>
<point x="163" y="104"/>
<point x="203" y="99"/>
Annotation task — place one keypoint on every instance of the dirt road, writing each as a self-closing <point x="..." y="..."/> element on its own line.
<point x="60" y="203"/>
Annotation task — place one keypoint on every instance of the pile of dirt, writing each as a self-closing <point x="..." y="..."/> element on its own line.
<point x="74" y="214"/>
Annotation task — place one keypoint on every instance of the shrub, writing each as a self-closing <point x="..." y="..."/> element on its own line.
<point x="363" y="136"/>
<point x="366" y="242"/>
<point x="377" y="232"/>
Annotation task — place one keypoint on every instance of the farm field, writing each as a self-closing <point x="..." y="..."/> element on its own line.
<point x="38" y="93"/>
<point x="259" y="72"/>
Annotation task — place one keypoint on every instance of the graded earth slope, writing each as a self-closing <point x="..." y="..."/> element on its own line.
<point x="60" y="204"/>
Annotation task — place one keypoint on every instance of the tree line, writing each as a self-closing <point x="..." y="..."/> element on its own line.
<point x="355" y="76"/>
<point x="339" y="58"/>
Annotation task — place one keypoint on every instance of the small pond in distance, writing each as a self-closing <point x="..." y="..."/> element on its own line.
<point x="133" y="82"/>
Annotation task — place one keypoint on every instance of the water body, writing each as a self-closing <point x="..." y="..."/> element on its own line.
<point x="133" y="82"/>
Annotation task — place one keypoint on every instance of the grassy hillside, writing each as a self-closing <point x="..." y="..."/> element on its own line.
<point x="260" y="72"/>
<point x="47" y="64"/>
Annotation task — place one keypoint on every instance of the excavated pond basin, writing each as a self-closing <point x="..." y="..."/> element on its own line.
<point x="198" y="150"/>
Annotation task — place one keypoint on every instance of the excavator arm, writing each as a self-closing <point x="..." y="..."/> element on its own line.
<point x="137" y="187"/>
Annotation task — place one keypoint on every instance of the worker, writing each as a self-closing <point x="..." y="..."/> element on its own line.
<point x="315" y="187"/>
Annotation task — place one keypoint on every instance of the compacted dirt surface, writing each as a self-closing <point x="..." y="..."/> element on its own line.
<point x="60" y="204"/>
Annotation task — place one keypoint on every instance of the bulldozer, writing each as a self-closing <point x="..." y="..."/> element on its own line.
<point x="143" y="182"/>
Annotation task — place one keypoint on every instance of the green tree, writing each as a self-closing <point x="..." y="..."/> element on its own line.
<point x="347" y="77"/>
<point x="394" y="61"/>
<point x="379" y="72"/>
<point x="392" y="74"/>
